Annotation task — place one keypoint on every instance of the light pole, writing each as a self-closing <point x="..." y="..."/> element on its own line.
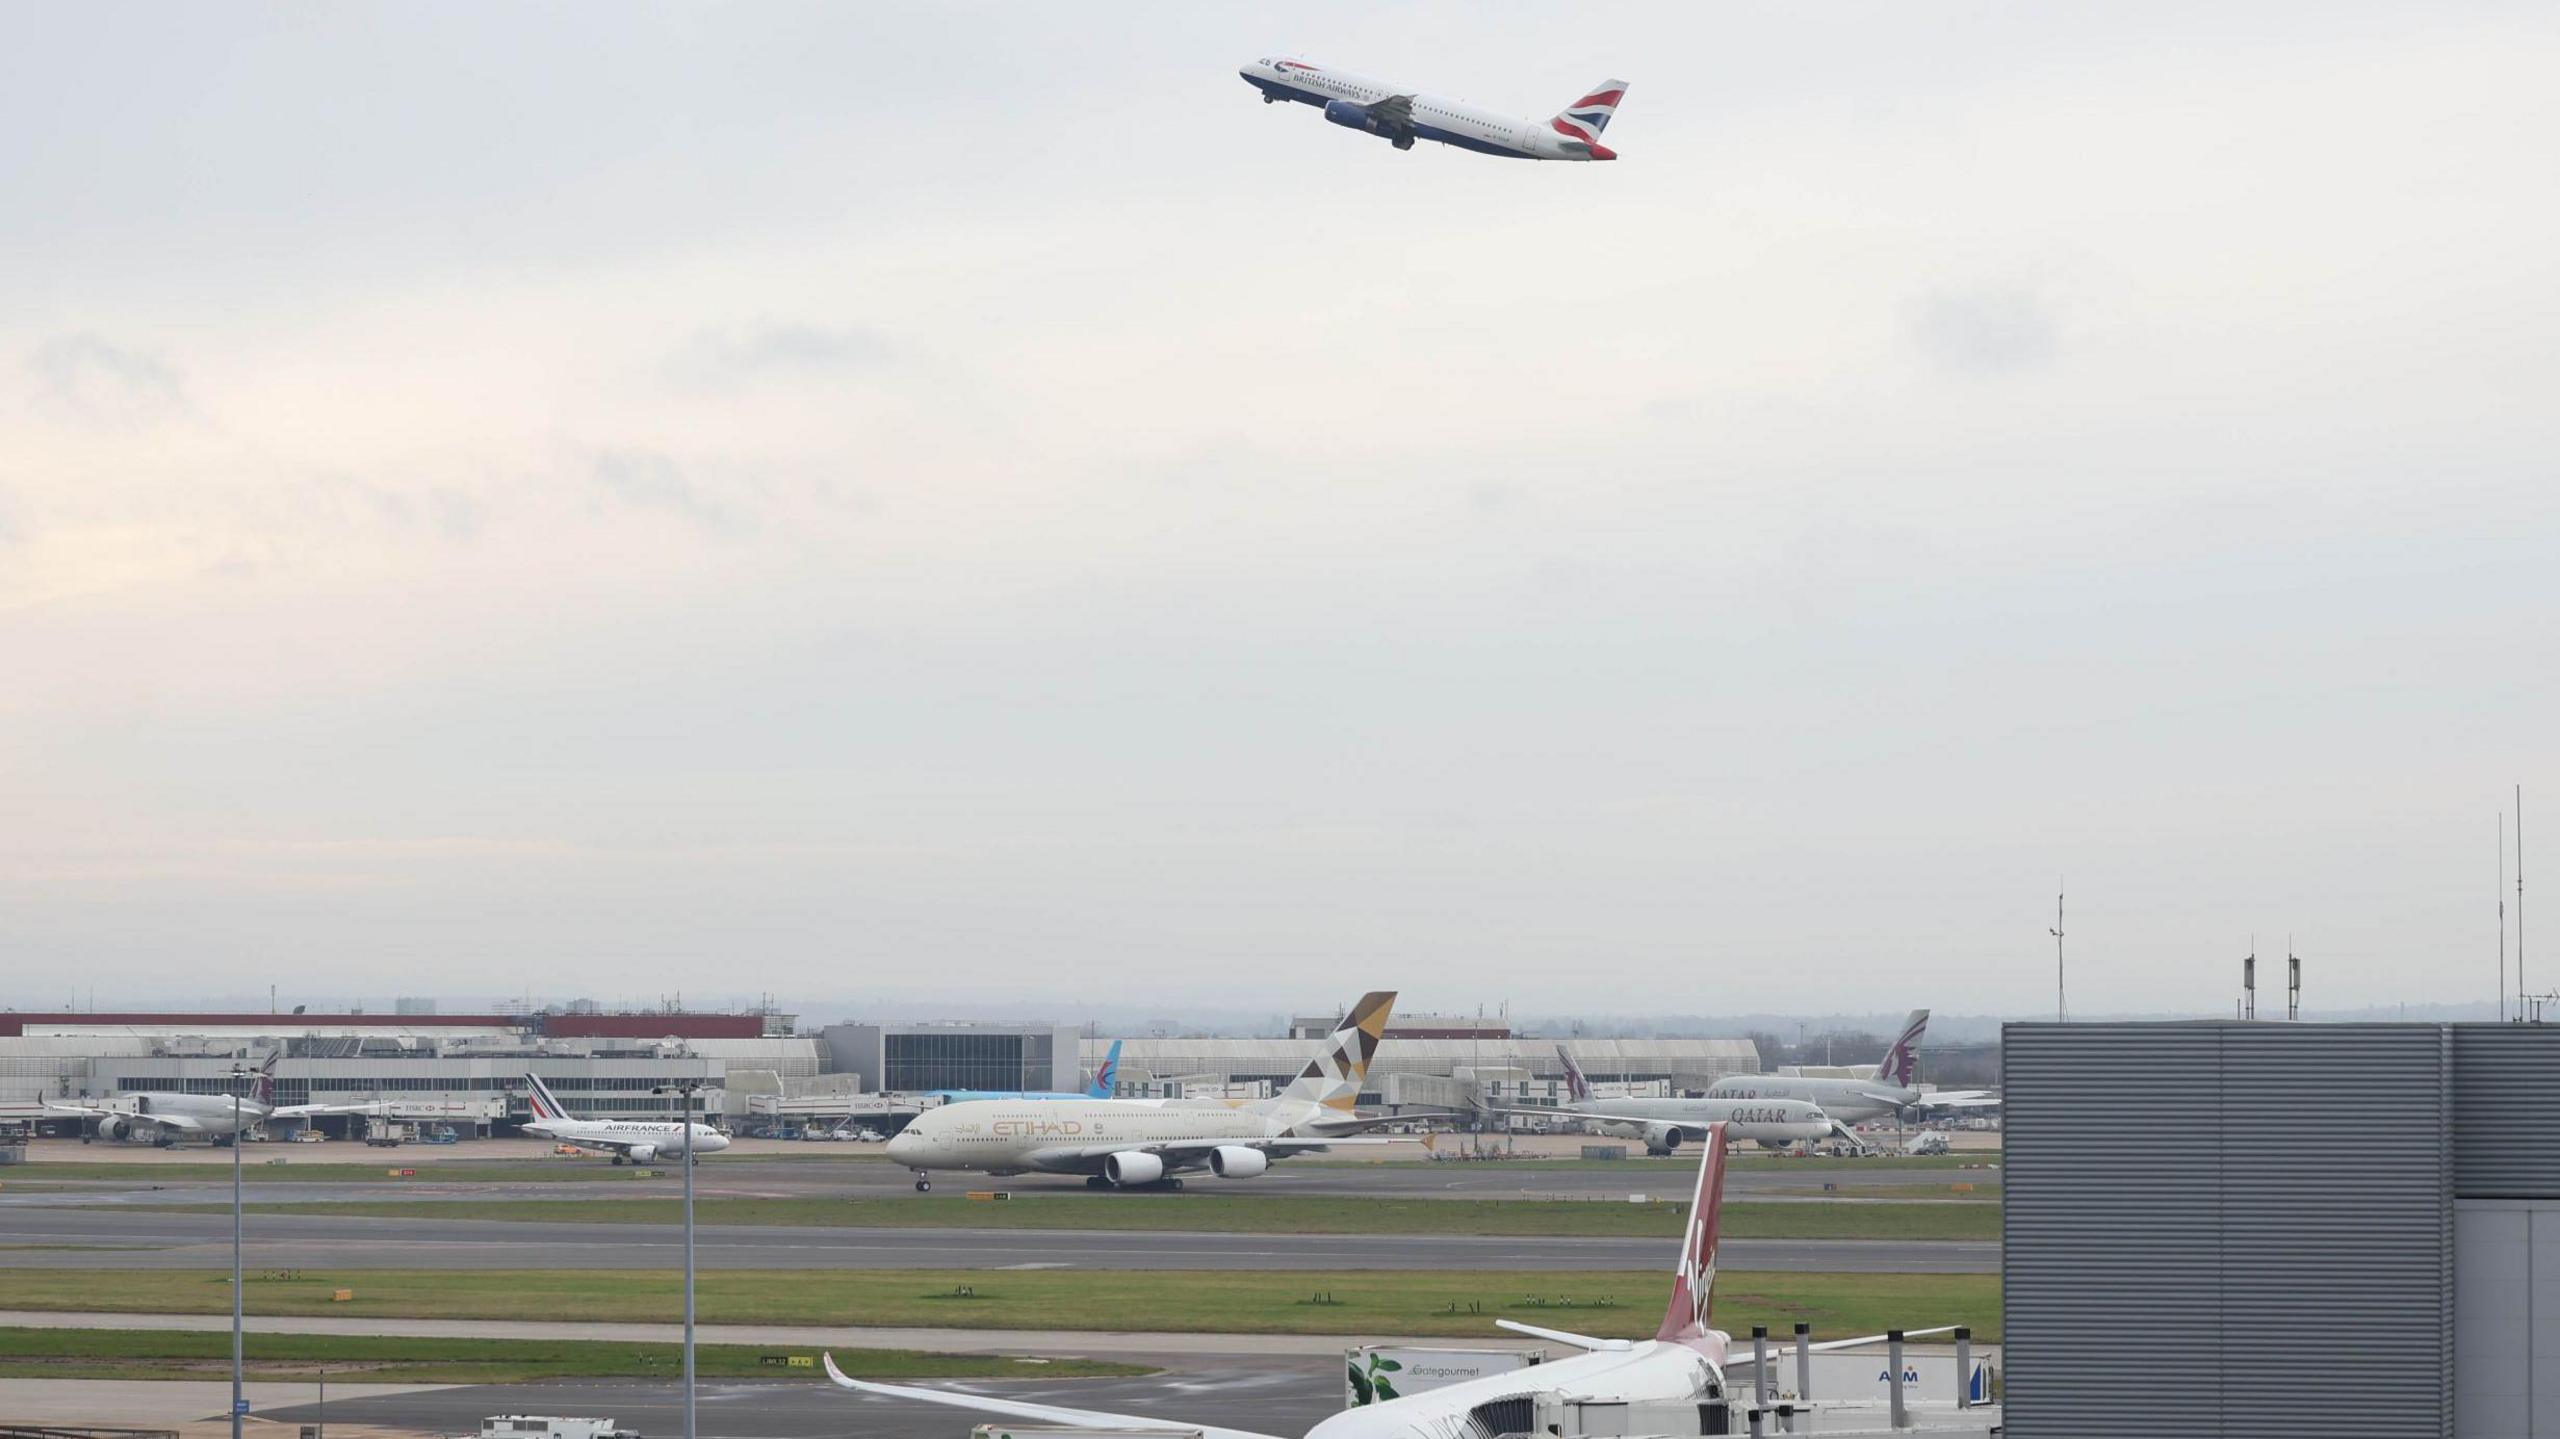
<point x="685" y="1087"/>
<point x="239" y="1402"/>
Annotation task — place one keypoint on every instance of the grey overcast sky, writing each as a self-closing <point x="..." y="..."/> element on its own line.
<point x="963" y="502"/>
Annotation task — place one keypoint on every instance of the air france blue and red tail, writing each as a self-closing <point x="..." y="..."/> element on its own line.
<point x="538" y="1095"/>
<point x="1584" y="119"/>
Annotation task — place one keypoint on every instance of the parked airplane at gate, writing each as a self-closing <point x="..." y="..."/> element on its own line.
<point x="637" y="1140"/>
<point x="1684" y="1362"/>
<point x="1123" y="1143"/>
<point x="1664" y="1124"/>
<point x="1887" y="1091"/>
<point x="164" y="1119"/>
<point x="1403" y="116"/>
<point x="1105" y="1081"/>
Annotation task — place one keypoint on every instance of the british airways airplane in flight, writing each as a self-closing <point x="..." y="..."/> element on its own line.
<point x="1404" y="116"/>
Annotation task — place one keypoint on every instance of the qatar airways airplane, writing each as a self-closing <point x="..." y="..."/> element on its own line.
<point x="1404" y="116"/>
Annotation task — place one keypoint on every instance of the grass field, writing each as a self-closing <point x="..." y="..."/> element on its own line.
<point x="146" y="1354"/>
<point x="1225" y="1214"/>
<point x="1618" y="1305"/>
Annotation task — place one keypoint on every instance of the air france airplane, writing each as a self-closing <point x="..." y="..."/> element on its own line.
<point x="1404" y="116"/>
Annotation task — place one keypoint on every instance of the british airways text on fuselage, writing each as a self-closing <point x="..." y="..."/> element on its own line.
<point x="1403" y="116"/>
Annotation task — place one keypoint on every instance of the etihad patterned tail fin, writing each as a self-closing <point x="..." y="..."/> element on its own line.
<point x="1333" y="1078"/>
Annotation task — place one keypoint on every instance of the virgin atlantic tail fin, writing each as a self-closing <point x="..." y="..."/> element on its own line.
<point x="1693" y="1283"/>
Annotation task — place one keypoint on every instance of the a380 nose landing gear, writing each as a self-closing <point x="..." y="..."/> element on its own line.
<point x="923" y="1181"/>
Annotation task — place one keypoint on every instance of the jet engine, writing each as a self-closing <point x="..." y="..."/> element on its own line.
<point x="112" y="1127"/>
<point x="1234" y="1161"/>
<point x="1663" y="1138"/>
<point x="1353" y="114"/>
<point x="643" y="1153"/>
<point x="1133" y="1168"/>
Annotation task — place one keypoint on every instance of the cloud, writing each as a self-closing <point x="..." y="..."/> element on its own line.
<point x="1984" y="332"/>
<point x="648" y="480"/>
<point x="86" y="378"/>
<point x="713" y="358"/>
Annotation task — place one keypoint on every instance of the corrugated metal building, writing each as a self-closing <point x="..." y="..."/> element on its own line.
<point x="1684" y="1064"/>
<point x="2280" y="1229"/>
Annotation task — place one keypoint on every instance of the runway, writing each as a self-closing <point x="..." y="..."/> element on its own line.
<point x="110" y="1237"/>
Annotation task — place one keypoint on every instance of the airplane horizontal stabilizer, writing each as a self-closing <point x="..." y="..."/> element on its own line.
<point x="1578" y="1341"/>
<point x="1045" y="1413"/>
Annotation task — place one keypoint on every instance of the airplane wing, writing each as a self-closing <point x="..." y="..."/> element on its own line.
<point x="1739" y="1356"/>
<point x="1394" y="114"/>
<point x="305" y="1111"/>
<point x="1612" y="1118"/>
<point x="1354" y="1126"/>
<point x="1016" y="1409"/>
<point x="1957" y="1099"/>
<point x="85" y="1110"/>
<point x="1076" y="1158"/>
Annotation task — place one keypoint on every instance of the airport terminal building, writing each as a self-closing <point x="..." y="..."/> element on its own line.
<point x="463" y="1070"/>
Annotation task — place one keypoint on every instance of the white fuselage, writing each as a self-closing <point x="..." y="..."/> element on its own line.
<point x="1057" y="1136"/>
<point x="1653" y="1371"/>
<point x="1449" y="122"/>
<point x="1751" y="1121"/>
<point x="1847" y="1100"/>
<point x="136" y="1116"/>
<point x="662" y="1139"/>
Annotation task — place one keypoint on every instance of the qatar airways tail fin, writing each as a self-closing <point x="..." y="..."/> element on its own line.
<point x="1901" y="1062"/>
<point x="1693" y="1283"/>
<point x="1585" y="118"/>
<point x="1576" y="1088"/>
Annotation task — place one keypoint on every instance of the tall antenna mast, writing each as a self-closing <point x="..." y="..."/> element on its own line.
<point x="2249" y="978"/>
<point x="2061" y="1004"/>
<point x="2519" y="901"/>
<point x="2292" y="982"/>
<point x="2500" y="890"/>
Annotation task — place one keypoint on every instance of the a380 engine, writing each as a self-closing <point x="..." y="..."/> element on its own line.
<point x="1663" y="1138"/>
<point x="1133" y="1168"/>
<point x="1234" y="1161"/>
